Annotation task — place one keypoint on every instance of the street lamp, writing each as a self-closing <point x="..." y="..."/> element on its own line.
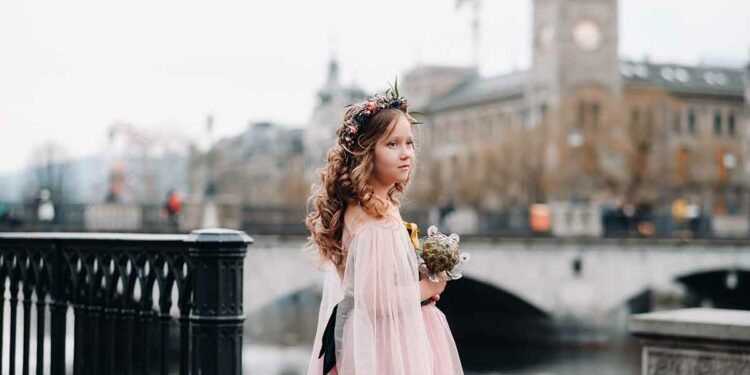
<point x="210" y="189"/>
<point x="210" y="212"/>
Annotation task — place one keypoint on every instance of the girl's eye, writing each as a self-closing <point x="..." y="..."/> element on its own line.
<point x="392" y="144"/>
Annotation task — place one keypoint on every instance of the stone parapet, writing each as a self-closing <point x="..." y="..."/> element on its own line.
<point x="694" y="341"/>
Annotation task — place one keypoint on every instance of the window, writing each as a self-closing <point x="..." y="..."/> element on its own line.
<point x="677" y="122"/>
<point x="634" y="117"/>
<point x="649" y="122"/>
<point x="479" y="127"/>
<point x="691" y="121"/>
<point x="595" y="115"/>
<point x="717" y="123"/>
<point x="439" y="134"/>
<point x="524" y="118"/>
<point x="730" y="124"/>
<point x="581" y="115"/>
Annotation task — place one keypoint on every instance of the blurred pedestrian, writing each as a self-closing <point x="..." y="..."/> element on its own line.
<point x="45" y="212"/>
<point x="173" y="208"/>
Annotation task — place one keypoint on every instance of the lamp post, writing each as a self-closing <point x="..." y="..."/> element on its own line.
<point x="210" y="189"/>
<point x="210" y="213"/>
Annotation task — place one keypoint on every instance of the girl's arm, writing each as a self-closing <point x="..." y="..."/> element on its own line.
<point x="379" y="278"/>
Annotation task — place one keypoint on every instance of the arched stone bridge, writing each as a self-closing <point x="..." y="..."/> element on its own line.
<point x="574" y="278"/>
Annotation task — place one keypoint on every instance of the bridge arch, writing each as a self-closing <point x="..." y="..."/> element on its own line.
<point x="505" y="316"/>
<point x="725" y="288"/>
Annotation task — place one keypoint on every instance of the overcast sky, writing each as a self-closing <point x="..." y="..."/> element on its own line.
<point x="69" y="69"/>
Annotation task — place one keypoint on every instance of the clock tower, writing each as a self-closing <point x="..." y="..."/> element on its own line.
<point x="573" y="91"/>
<point x="574" y="47"/>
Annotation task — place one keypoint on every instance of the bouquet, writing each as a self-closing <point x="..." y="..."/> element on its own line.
<point x="438" y="253"/>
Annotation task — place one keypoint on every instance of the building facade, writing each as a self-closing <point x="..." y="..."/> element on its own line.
<point x="261" y="166"/>
<point x="319" y="133"/>
<point x="583" y="124"/>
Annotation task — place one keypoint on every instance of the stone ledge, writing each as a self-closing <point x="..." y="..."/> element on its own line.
<point x="698" y="323"/>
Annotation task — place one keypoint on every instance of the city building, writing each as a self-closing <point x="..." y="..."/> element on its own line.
<point x="584" y="124"/>
<point x="264" y="165"/>
<point x="319" y="132"/>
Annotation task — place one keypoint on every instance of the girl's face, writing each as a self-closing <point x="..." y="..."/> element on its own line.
<point x="394" y="154"/>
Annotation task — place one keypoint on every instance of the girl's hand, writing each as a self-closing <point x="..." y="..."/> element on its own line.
<point x="429" y="288"/>
<point x="440" y="285"/>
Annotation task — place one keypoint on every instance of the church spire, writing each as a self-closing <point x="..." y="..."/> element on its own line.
<point x="333" y="73"/>
<point x="333" y="65"/>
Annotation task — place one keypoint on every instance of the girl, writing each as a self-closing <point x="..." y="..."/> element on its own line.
<point x="370" y="320"/>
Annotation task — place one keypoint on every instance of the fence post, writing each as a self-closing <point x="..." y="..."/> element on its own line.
<point x="216" y="266"/>
<point x="58" y="308"/>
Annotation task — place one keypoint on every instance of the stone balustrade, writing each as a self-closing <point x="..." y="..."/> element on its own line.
<point x="694" y="341"/>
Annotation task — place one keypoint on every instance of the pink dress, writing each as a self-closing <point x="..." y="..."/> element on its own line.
<point x="380" y="327"/>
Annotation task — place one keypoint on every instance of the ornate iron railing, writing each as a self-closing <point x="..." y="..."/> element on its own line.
<point x="120" y="290"/>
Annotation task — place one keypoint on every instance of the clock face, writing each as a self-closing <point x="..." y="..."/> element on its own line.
<point x="587" y="35"/>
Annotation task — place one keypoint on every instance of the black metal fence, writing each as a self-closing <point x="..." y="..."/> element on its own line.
<point x="119" y="289"/>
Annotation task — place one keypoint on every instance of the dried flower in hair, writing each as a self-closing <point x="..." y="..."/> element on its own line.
<point x="363" y="112"/>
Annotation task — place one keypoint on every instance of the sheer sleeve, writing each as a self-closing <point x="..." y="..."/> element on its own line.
<point x="379" y="325"/>
<point x="331" y="295"/>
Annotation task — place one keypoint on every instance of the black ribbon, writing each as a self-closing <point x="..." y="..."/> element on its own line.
<point x="328" y="344"/>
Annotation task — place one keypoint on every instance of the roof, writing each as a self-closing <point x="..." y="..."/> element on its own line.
<point x="684" y="79"/>
<point x="479" y="90"/>
<point x="674" y="78"/>
<point x="437" y="69"/>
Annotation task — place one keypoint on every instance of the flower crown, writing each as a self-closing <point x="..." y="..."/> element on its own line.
<point x="355" y="120"/>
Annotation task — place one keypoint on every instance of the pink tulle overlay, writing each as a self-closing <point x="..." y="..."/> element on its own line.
<point x="380" y="326"/>
<point x="445" y="360"/>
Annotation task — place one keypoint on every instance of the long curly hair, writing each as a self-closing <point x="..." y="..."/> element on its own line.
<point x="343" y="181"/>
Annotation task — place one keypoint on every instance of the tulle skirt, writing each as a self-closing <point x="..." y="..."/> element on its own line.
<point x="445" y="359"/>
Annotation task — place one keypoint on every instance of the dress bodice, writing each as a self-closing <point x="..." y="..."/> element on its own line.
<point x="357" y="219"/>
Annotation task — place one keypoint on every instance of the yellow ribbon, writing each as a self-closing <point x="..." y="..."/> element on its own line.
<point x="413" y="234"/>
